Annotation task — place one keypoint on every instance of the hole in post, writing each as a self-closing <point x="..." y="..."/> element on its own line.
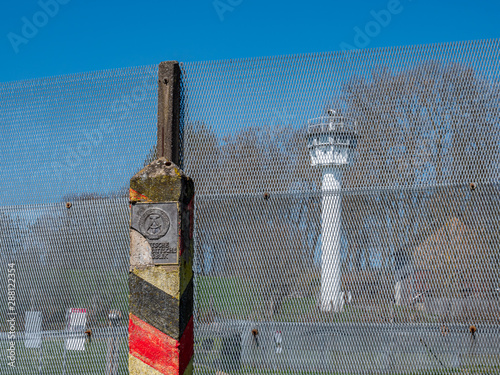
<point x="68" y="205"/>
<point x="168" y="164"/>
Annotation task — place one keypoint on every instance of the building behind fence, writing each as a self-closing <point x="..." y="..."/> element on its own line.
<point x="419" y="237"/>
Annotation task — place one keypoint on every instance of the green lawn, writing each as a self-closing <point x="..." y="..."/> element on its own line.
<point x="233" y="297"/>
<point x="239" y="298"/>
<point x="206" y="370"/>
<point x="51" y="358"/>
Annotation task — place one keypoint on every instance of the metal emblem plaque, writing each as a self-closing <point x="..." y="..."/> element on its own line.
<point x="157" y="222"/>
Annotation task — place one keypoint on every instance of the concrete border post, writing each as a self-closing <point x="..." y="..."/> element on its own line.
<point x="161" y="276"/>
<point x="161" y="248"/>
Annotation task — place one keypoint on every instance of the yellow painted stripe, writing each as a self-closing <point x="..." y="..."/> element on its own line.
<point x="165" y="278"/>
<point x="189" y="368"/>
<point x="135" y="196"/>
<point x="137" y="367"/>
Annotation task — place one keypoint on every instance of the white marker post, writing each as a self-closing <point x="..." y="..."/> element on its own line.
<point x="330" y="142"/>
<point x="33" y="329"/>
<point x="76" y="327"/>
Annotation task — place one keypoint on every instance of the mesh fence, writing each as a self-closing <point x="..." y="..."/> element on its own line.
<point x="69" y="146"/>
<point x="384" y="256"/>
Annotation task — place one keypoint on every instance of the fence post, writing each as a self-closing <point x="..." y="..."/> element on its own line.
<point x="169" y="97"/>
<point x="161" y="276"/>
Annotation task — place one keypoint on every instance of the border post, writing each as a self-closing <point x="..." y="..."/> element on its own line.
<point x="161" y="276"/>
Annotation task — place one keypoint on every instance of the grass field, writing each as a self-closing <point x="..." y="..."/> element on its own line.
<point x="51" y="359"/>
<point x="206" y="370"/>
<point x="231" y="296"/>
<point x="234" y="297"/>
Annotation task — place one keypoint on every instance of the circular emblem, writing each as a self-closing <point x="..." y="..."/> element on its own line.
<point x="154" y="223"/>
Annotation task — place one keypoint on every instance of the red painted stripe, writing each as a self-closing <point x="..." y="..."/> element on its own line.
<point x="153" y="347"/>
<point x="134" y="195"/>
<point x="186" y="346"/>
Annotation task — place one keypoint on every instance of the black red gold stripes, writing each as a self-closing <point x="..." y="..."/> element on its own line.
<point x="161" y="296"/>
<point x="157" y="307"/>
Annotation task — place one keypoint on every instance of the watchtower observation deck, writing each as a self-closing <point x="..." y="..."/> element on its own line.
<point x="330" y="140"/>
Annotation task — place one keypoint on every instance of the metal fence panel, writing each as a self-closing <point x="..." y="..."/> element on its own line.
<point x="417" y="247"/>
<point x="69" y="147"/>
<point x="72" y="135"/>
<point x="382" y="258"/>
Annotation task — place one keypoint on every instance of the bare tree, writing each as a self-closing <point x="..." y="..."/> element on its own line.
<point x="430" y="126"/>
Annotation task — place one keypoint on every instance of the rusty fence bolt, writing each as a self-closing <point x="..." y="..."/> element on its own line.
<point x="444" y="330"/>
<point x="472" y="330"/>
<point x="255" y="333"/>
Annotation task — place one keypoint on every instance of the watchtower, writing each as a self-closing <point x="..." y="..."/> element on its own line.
<point x="331" y="140"/>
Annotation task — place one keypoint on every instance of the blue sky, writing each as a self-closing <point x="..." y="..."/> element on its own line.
<point x="80" y="36"/>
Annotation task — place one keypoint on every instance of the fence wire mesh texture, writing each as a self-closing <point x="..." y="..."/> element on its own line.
<point x="347" y="210"/>
<point x="69" y="146"/>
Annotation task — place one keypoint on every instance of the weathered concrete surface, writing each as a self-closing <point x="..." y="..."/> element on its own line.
<point x="161" y="296"/>
<point x="140" y="251"/>
<point x="161" y="181"/>
<point x="163" y="277"/>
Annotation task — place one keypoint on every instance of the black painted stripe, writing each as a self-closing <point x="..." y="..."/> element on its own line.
<point x="155" y="307"/>
<point x="186" y="308"/>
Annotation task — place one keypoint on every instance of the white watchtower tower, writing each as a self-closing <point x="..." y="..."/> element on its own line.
<point x="331" y="140"/>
